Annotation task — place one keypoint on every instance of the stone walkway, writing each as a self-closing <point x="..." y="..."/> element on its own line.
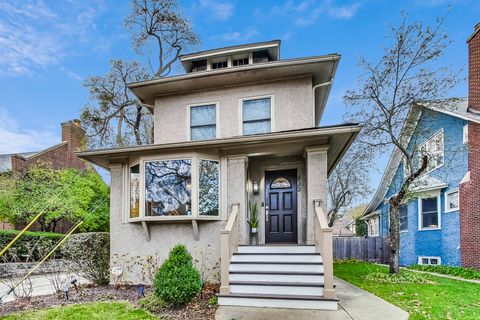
<point x="355" y="304"/>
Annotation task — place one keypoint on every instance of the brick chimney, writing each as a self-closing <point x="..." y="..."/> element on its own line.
<point x="474" y="71"/>
<point x="73" y="133"/>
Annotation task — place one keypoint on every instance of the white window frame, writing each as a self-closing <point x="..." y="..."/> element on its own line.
<point x="202" y="104"/>
<point x="374" y="226"/>
<point x="272" y="108"/>
<point x="420" y="155"/>
<point x="465" y="133"/>
<point x="439" y="211"/>
<point x="420" y="258"/>
<point x="447" y="209"/>
<point x="129" y="191"/>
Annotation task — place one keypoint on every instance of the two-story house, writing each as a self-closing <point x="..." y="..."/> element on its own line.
<point x="240" y="126"/>
<point x="438" y="222"/>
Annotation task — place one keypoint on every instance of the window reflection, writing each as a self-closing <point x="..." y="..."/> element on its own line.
<point x="135" y="191"/>
<point x="208" y="187"/>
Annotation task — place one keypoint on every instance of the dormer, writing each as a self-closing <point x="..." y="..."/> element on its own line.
<point x="231" y="57"/>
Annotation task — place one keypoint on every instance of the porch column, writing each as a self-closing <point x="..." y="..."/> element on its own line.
<point x="316" y="176"/>
<point x="237" y="192"/>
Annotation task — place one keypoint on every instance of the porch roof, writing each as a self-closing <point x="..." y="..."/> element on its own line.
<point x="338" y="138"/>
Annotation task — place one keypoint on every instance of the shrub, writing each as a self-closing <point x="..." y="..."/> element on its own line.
<point x="31" y="246"/>
<point x="177" y="281"/>
<point x="88" y="254"/>
<point x="398" y="278"/>
<point x="152" y="303"/>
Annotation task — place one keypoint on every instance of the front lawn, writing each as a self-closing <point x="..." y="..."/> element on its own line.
<point x="86" y="311"/>
<point x="435" y="298"/>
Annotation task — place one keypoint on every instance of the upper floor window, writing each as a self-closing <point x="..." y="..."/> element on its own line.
<point x="256" y="115"/>
<point x="452" y="201"/>
<point x="203" y="122"/>
<point x="434" y="149"/>
<point x="403" y="218"/>
<point x="200" y="65"/>
<point x="429" y="213"/>
<point x="240" y="62"/>
<point x="219" y="64"/>
<point x="260" y="56"/>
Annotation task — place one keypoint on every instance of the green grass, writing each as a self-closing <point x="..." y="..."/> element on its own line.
<point x="438" y="298"/>
<point x="466" y="273"/>
<point x="87" y="311"/>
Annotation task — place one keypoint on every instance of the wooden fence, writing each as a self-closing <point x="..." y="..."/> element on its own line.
<point x="374" y="249"/>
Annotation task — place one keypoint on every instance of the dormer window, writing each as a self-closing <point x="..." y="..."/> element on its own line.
<point x="200" y="65"/>
<point x="240" y="62"/>
<point x="260" y="56"/>
<point x="219" y="64"/>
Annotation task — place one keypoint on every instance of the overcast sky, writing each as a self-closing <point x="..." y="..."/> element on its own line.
<point x="47" y="48"/>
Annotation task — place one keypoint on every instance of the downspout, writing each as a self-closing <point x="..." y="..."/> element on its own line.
<point x="313" y="92"/>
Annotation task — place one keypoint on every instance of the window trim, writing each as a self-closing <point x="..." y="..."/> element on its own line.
<point x="439" y="211"/>
<point x="203" y="104"/>
<point x="443" y="150"/>
<point x="240" y="111"/>
<point x="128" y="194"/>
<point x="369" y="222"/>
<point x="429" y="257"/>
<point x="447" y="209"/>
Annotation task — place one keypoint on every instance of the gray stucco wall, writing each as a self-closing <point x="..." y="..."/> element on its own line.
<point x="292" y="108"/>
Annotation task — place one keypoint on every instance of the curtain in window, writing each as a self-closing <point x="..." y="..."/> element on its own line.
<point x="256" y="116"/>
<point x="203" y="122"/>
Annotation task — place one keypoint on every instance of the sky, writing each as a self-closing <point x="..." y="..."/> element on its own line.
<point x="48" y="48"/>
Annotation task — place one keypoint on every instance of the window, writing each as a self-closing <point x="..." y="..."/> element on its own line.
<point x="433" y="148"/>
<point x="219" y="64"/>
<point x="260" y="56"/>
<point x="135" y="191"/>
<point x="430" y="261"/>
<point x="168" y="188"/>
<point x="280" y="183"/>
<point x="200" y="65"/>
<point x="403" y="218"/>
<point x="256" y="114"/>
<point x="203" y="122"/>
<point x="429" y="213"/>
<point x="465" y="133"/>
<point x="373" y="226"/>
<point x="240" y="62"/>
<point x="452" y="201"/>
<point x="208" y="187"/>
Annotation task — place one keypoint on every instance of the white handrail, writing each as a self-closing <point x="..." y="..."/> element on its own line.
<point x="228" y="245"/>
<point x="324" y="246"/>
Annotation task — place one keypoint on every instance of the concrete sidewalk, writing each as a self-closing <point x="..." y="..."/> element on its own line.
<point x="355" y="303"/>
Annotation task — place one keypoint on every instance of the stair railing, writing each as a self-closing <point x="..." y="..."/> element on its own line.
<point x="324" y="246"/>
<point x="228" y="246"/>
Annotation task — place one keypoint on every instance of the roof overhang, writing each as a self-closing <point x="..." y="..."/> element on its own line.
<point x="322" y="70"/>
<point x="337" y="138"/>
<point x="370" y="215"/>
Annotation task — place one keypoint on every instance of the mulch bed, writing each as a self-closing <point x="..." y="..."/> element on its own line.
<point x="199" y="308"/>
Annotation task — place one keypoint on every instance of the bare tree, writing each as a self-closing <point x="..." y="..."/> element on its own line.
<point x="407" y="73"/>
<point x="113" y="116"/>
<point x="161" y="21"/>
<point x="348" y="182"/>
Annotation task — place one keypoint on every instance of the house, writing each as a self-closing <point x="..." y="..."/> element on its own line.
<point x="344" y="227"/>
<point x="59" y="156"/>
<point x="240" y="126"/>
<point x="437" y="223"/>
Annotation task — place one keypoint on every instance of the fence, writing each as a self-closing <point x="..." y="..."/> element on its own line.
<point x="373" y="249"/>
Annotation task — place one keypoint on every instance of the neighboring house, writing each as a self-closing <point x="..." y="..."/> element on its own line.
<point x="344" y="227"/>
<point x="59" y="156"/>
<point x="240" y="126"/>
<point x="439" y="224"/>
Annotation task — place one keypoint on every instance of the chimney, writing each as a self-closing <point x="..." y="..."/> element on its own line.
<point x="474" y="71"/>
<point x="73" y="133"/>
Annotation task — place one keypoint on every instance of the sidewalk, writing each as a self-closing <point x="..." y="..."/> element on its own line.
<point x="355" y="304"/>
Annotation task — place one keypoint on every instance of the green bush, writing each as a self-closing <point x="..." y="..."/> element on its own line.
<point x="152" y="303"/>
<point x="88" y="254"/>
<point x="177" y="281"/>
<point x="466" y="273"/>
<point x="31" y="246"/>
<point x="398" y="278"/>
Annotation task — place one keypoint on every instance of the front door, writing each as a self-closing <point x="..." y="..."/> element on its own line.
<point x="281" y="206"/>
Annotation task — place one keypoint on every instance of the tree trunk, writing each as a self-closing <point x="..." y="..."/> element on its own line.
<point x="394" y="239"/>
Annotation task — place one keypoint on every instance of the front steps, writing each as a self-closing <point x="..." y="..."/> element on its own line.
<point x="277" y="277"/>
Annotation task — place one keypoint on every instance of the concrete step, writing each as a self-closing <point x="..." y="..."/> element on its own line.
<point x="276" y="288"/>
<point x="284" y="277"/>
<point x="276" y="249"/>
<point x="277" y="301"/>
<point x="278" y="267"/>
<point x="288" y="258"/>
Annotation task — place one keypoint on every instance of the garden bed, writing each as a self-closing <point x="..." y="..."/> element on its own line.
<point x="199" y="308"/>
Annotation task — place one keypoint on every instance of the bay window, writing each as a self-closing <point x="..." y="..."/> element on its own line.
<point x="135" y="191"/>
<point x="208" y="187"/>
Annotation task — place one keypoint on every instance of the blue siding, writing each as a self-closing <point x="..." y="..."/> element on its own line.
<point x="443" y="243"/>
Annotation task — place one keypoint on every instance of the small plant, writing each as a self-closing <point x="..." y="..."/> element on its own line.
<point x="213" y="301"/>
<point x="253" y="221"/>
<point x="177" y="281"/>
<point x="152" y="303"/>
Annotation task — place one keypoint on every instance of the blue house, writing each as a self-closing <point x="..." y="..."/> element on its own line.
<point x="430" y="218"/>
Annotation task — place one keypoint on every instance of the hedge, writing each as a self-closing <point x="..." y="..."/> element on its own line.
<point x="31" y="246"/>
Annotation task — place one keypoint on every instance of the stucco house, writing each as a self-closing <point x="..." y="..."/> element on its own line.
<point x="438" y="225"/>
<point x="240" y="126"/>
